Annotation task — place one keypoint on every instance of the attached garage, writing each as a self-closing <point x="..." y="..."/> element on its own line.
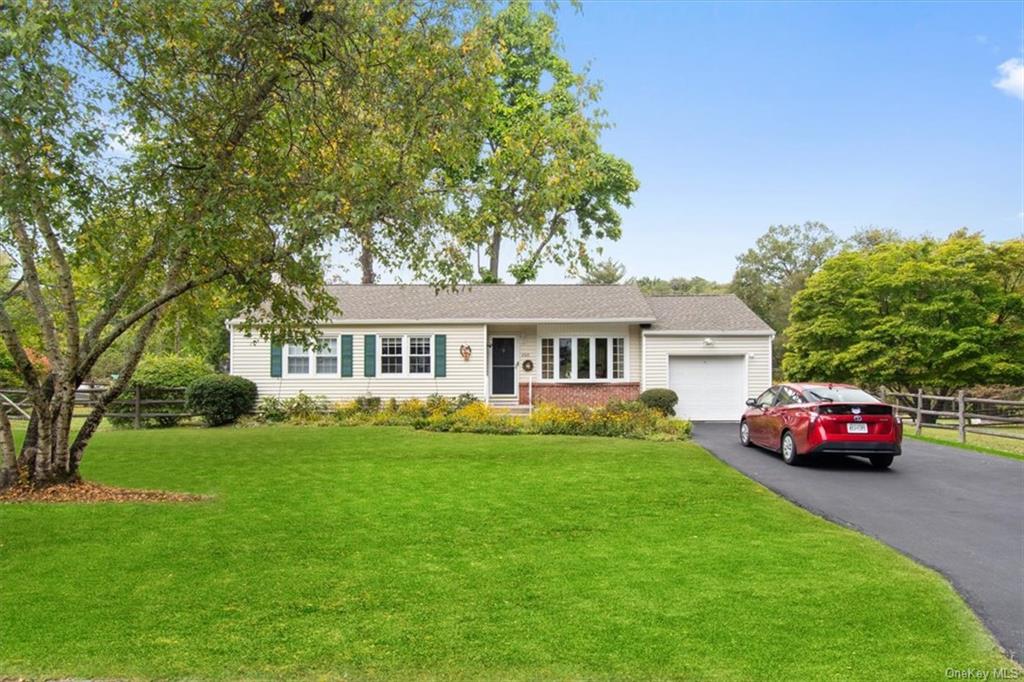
<point x="711" y="350"/>
<point x="710" y="388"/>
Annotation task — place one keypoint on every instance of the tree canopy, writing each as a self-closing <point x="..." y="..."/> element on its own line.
<point x="606" y="271"/>
<point x="679" y="286"/>
<point x="542" y="182"/>
<point x="151" y="150"/>
<point x="769" y="274"/>
<point x="941" y="315"/>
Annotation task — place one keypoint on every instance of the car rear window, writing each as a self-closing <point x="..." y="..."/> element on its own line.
<point x="838" y="394"/>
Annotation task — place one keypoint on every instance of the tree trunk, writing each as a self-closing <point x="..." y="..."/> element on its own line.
<point x="494" y="255"/>
<point x="366" y="257"/>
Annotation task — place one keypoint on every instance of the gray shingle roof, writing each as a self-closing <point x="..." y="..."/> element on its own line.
<point x="492" y="302"/>
<point x="723" y="312"/>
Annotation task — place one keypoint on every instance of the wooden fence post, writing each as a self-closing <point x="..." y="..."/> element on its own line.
<point x="138" y="407"/>
<point x="917" y="416"/>
<point x="961" y="425"/>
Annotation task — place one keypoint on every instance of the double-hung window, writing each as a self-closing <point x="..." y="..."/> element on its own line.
<point x="298" y="359"/>
<point x="391" y="360"/>
<point x="406" y="355"/>
<point x="327" y="356"/>
<point x="320" y="360"/>
<point x="419" y="355"/>
<point x="583" y="358"/>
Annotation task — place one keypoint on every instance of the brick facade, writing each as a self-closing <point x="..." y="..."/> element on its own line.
<point x="578" y="394"/>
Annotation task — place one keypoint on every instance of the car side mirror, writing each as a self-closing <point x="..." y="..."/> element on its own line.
<point x="751" y="402"/>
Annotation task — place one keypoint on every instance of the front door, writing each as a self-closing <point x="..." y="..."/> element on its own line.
<point x="503" y="365"/>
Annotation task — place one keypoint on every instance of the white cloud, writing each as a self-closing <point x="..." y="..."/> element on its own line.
<point x="1011" y="77"/>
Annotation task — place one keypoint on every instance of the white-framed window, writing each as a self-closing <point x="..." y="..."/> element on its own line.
<point x="547" y="358"/>
<point x="583" y="358"/>
<point x="406" y="355"/>
<point x="327" y="355"/>
<point x="320" y="360"/>
<point x="391" y="360"/>
<point x="419" y="355"/>
<point x="298" y="359"/>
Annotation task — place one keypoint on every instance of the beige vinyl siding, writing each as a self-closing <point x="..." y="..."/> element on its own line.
<point x="250" y="358"/>
<point x="757" y="350"/>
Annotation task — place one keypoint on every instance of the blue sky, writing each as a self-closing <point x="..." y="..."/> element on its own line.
<point x="737" y="116"/>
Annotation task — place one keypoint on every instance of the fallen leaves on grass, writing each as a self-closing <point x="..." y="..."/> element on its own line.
<point x="85" y="492"/>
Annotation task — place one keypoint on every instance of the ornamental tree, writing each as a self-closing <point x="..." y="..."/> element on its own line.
<point x="151" y="150"/>
<point x="939" y="315"/>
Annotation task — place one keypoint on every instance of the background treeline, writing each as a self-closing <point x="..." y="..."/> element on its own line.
<point x="877" y="308"/>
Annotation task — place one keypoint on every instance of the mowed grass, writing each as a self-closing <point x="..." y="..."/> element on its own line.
<point x="390" y="553"/>
<point x="981" y="442"/>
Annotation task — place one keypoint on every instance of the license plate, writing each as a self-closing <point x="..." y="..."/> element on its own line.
<point x="856" y="428"/>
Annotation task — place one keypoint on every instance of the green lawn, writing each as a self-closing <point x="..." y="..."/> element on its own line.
<point x="981" y="442"/>
<point x="386" y="552"/>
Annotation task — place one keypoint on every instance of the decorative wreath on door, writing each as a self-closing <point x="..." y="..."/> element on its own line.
<point x="527" y="365"/>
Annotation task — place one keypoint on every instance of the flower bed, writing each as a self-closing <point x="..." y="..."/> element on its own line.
<point x="467" y="414"/>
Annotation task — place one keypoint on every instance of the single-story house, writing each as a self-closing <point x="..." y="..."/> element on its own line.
<point x="523" y="344"/>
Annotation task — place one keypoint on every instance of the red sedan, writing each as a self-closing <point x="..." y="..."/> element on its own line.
<point x="802" y="420"/>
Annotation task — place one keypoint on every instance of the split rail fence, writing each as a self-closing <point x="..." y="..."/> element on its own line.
<point x="966" y="414"/>
<point x="134" y="404"/>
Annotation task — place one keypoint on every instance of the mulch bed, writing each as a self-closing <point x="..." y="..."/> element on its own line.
<point x="85" y="492"/>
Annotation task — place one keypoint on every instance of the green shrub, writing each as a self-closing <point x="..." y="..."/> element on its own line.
<point x="465" y="400"/>
<point x="221" y="399"/>
<point x="662" y="399"/>
<point x="439" y="404"/>
<point x="476" y="417"/>
<point x="271" y="409"/>
<point x="160" y="377"/>
<point x="305" y="409"/>
<point x="368" y="403"/>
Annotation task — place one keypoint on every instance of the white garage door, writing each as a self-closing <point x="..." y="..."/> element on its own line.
<point x="709" y="387"/>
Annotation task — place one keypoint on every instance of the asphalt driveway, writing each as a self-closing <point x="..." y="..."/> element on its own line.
<point x="959" y="512"/>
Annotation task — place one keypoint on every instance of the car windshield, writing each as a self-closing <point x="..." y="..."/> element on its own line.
<point x="838" y="394"/>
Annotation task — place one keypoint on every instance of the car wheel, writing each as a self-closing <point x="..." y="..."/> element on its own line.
<point x="881" y="461"/>
<point x="745" y="433"/>
<point x="789" y="455"/>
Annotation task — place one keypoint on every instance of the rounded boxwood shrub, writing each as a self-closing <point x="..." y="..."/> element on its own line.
<point x="662" y="399"/>
<point x="221" y="399"/>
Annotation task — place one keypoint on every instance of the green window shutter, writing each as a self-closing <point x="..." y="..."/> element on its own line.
<point x="440" y="347"/>
<point x="370" y="355"/>
<point x="346" y="355"/>
<point x="275" y="360"/>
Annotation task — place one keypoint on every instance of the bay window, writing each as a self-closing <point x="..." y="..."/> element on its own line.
<point x="583" y="358"/>
<point x="547" y="358"/>
<point x="565" y="358"/>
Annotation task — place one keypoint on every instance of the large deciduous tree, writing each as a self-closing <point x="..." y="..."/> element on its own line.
<point x="770" y="274"/>
<point x="542" y="183"/>
<point x="938" y="315"/>
<point x="149" y="150"/>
